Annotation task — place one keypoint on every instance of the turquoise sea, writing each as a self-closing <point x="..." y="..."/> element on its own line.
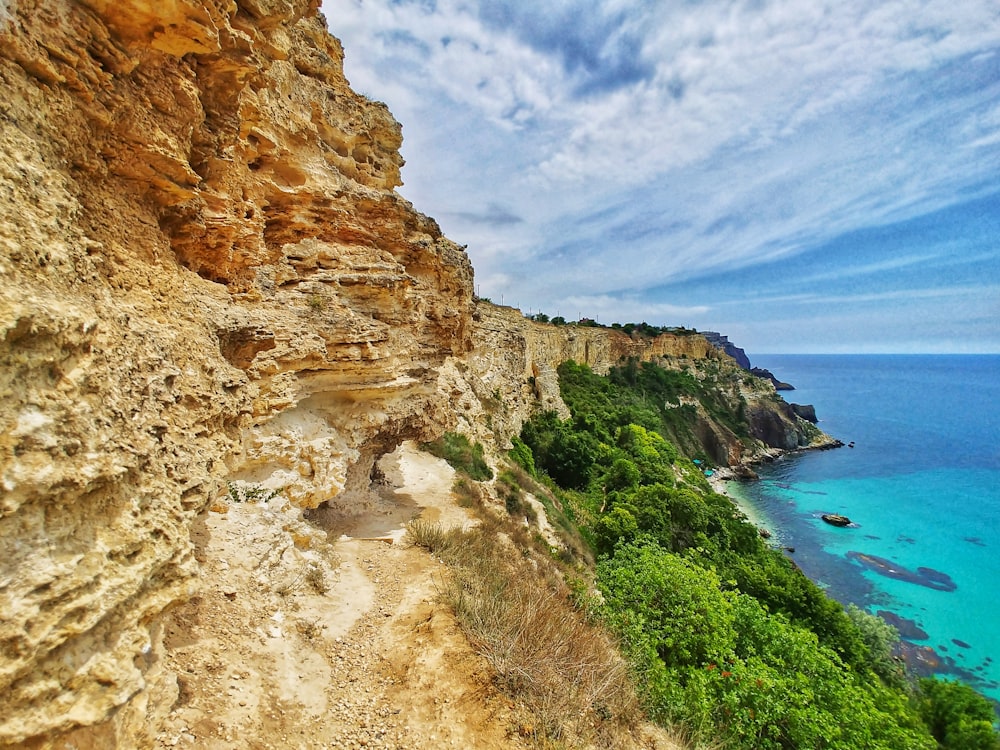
<point x="922" y="484"/>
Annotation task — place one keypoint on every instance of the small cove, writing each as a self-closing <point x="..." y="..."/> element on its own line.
<point x="923" y="486"/>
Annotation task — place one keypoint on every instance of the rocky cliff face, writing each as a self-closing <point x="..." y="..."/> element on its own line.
<point x="208" y="277"/>
<point x="511" y="373"/>
<point x="512" y="366"/>
<point x="723" y="343"/>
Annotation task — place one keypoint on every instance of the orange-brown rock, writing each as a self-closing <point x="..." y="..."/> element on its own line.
<point x="211" y="289"/>
<point x="208" y="277"/>
<point x="512" y="368"/>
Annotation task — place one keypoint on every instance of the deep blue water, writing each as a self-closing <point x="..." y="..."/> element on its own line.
<point x="922" y="482"/>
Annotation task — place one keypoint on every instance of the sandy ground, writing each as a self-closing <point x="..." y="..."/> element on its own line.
<point x="327" y="633"/>
<point x="729" y="487"/>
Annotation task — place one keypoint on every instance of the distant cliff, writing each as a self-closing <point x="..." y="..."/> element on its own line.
<point x="209" y="277"/>
<point x="512" y="371"/>
<point x="722" y="342"/>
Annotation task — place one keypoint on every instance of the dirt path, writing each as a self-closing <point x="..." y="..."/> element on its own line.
<point x="329" y="634"/>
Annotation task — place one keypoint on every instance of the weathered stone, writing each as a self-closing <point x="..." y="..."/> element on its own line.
<point x="207" y="278"/>
<point x="760" y="372"/>
<point x="210" y="281"/>
<point x="806" y="412"/>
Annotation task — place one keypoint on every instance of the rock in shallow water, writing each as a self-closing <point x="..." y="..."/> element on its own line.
<point x="909" y="629"/>
<point x="932" y="579"/>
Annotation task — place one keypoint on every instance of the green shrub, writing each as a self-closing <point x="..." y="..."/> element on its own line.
<point x="618" y="525"/>
<point x="682" y="611"/>
<point x="958" y="716"/>
<point x="881" y="639"/>
<point x="521" y="455"/>
<point x="244" y="492"/>
<point x="461" y="455"/>
<point x="720" y="664"/>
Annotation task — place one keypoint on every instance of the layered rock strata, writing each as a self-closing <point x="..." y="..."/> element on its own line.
<point x="512" y="372"/>
<point x="512" y="368"/>
<point x="208" y="277"/>
<point x="210" y="281"/>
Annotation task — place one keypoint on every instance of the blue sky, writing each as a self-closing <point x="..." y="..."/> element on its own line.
<point x="803" y="176"/>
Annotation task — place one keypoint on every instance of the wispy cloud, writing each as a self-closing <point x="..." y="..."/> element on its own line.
<point x="494" y="215"/>
<point x="818" y="300"/>
<point x="601" y="149"/>
<point x="609" y="308"/>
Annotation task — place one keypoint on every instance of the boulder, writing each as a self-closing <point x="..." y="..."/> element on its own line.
<point x="806" y="411"/>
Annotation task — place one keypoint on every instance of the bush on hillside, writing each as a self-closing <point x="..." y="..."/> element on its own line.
<point x="725" y="634"/>
<point x="958" y="716"/>
<point x="461" y="455"/>
<point x="719" y="663"/>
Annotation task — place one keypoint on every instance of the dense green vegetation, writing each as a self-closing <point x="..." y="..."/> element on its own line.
<point x="640" y="394"/>
<point x="644" y="329"/>
<point x="958" y="716"/>
<point x="461" y="454"/>
<point x="726" y="636"/>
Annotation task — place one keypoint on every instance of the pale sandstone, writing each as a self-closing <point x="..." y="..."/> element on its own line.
<point x="209" y="278"/>
<point x="511" y="373"/>
<point x="514" y="360"/>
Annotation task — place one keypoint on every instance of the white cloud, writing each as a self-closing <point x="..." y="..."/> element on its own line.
<point x="983" y="129"/>
<point x="819" y="300"/>
<point x="743" y="72"/>
<point x="878" y="267"/>
<point x="686" y="138"/>
<point x="623" y="309"/>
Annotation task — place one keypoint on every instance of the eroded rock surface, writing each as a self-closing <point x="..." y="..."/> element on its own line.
<point x="208" y="276"/>
<point x="210" y="281"/>
<point x="512" y="367"/>
<point x="511" y="373"/>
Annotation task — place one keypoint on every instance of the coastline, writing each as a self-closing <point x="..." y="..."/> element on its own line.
<point x="728" y="481"/>
<point x="724" y="482"/>
<point x="936" y="656"/>
<point x="922" y="453"/>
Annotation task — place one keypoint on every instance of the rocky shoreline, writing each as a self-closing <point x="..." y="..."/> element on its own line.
<point x="921" y="660"/>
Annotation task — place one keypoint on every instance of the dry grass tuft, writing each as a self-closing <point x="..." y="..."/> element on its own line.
<point x="517" y="613"/>
<point x="316" y="578"/>
<point x="468" y="493"/>
<point x="430" y="536"/>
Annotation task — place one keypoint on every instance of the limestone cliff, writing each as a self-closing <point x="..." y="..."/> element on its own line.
<point x="208" y="277"/>
<point x="513" y="362"/>
<point x="512" y="373"/>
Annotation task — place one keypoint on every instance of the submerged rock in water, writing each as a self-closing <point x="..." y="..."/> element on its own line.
<point x="925" y="661"/>
<point x="932" y="579"/>
<point x="909" y="629"/>
<point x="937" y="576"/>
